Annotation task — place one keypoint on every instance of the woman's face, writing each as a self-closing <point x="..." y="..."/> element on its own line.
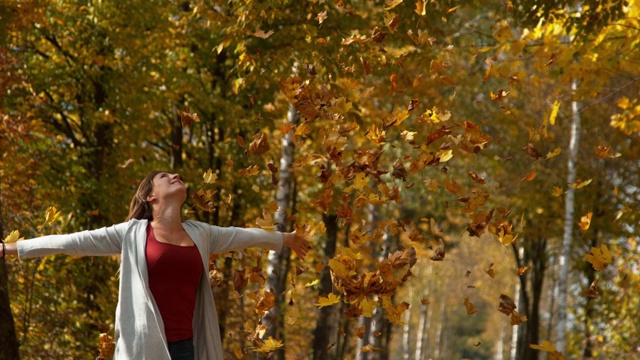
<point x="168" y="186"/>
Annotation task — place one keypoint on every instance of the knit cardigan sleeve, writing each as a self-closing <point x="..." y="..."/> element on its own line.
<point x="104" y="241"/>
<point x="224" y="239"/>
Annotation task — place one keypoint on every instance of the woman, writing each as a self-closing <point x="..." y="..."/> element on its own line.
<point x="165" y="305"/>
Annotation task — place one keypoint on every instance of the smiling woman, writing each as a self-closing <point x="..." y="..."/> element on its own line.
<point x="165" y="304"/>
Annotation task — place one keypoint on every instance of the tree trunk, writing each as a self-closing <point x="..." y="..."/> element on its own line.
<point x="324" y="335"/>
<point x="8" y="340"/>
<point x="563" y="276"/>
<point x="423" y="333"/>
<point x="279" y="261"/>
<point x="378" y="321"/>
<point x="363" y="320"/>
<point x="406" y="337"/>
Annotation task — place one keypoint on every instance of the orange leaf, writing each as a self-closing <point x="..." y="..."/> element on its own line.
<point x="530" y="176"/>
<point x="585" y="221"/>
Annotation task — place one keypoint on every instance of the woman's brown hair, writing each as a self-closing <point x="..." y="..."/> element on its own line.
<point x="140" y="208"/>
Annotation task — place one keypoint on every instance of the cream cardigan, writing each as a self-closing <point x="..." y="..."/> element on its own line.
<point x="139" y="331"/>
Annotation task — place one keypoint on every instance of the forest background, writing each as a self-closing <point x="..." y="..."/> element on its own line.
<point x="466" y="170"/>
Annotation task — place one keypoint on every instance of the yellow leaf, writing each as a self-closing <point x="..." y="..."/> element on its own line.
<point x="578" y="184"/>
<point x="556" y="191"/>
<point x="585" y="221"/>
<point x="210" y="177"/>
<point x="368" y="306"/>
<point x="341" y="106"/>
<point x="312" y="283"/>
<point x="445" y="155"/>
<point x="51" y="215"/>
<point x="554" y="153"/>
<point x="392" y="3"/>
<point x="545" y="346"/>
<point x="368" y="348"/>
<point x="237" y="351"/>
<point x="331" y="299"/>
<point x="13" y="237"/>
<point x="377" y="136"/>
<point x="269" y="345"/>
<point x="554" y="112"/>
<point x="599" y="257"/>
<point x="507" y="239"/>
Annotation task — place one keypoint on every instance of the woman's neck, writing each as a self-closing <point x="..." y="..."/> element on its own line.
<point x="168" y="219"/>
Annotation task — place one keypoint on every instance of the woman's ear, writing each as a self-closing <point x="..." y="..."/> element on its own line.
<point x="150" y="198"/>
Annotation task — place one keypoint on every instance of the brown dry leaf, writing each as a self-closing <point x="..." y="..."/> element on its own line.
<point x="187" y="117"/>
<point x="260" y="145"/>
<point x="471" y="309"/>
<point x="506" y="306"/>
<point x="453" y="187"/>
<point x="265" y="302"/>
<point x="491" y="271"/>
<point x="261" y="34"/>
<point x="477" y="179"/>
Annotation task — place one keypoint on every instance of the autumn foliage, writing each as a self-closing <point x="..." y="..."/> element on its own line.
<point x="428" y="167"/>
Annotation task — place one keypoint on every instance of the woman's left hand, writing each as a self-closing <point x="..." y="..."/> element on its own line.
<point x="297" y="243"/>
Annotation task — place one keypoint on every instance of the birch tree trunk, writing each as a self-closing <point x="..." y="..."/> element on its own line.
<point x="563" y="276"/>
<point x="279" y="261"/>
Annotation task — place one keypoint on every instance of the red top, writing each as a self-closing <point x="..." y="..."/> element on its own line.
<point x="174" y="274"/>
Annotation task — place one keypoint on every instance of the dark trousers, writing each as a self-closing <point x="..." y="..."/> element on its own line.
<point x="181" y="350"/>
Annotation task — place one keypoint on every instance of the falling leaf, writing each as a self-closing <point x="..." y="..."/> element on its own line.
<point x="240" y="140"/>
<point x="260" y="145"/>
<point x="261" y="34"/>
<point x="556" y="191"/>
<point x="453" y="187"/>
<point x="530" y="176"/>
<point x="265" y="302"/>
<point x="421" y="7"/>
<point x="127" y="163"/>
<point x="471" y="309"/>
<point x="187" y="117"/>
<point x="491" y="271"/>
<point x="210" y="177"/>
<point x="453" y="9"/>
<point x="604" y="152"/>
<point x="499" y="96"/>
<point x="438" y="252"/>
<point x="548" y="347"/>
<point x="554" y="112"/>
<point x="331" y="299"/>
<point x="477" y="179"/>
<point x="392" y="3"/>
<point x="532" y="151"/>
<point x="425" y="301"/>
<point x="322" y="16"/>
<point x="523" y="269"/>
<point x="52" y="214"/>
<point x="392" y="21"/>
<point x="368" y="306"/>
<point x="13" y="237"/>
<point x="599" y="257"/>
<point x="269" y="345"/>
<point x="592" y="291"/>
<point x="369" y="348"/>
<point x="585" y="221"/>
<point x="578" y="184"/>
<point x="554" y="153"/>
<point x="506" y="306"/>
<point x="444" y="155"/>
<point x="266" y="221"/>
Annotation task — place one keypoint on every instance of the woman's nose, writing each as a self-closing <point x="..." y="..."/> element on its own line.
<point x="175" y="176"/>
